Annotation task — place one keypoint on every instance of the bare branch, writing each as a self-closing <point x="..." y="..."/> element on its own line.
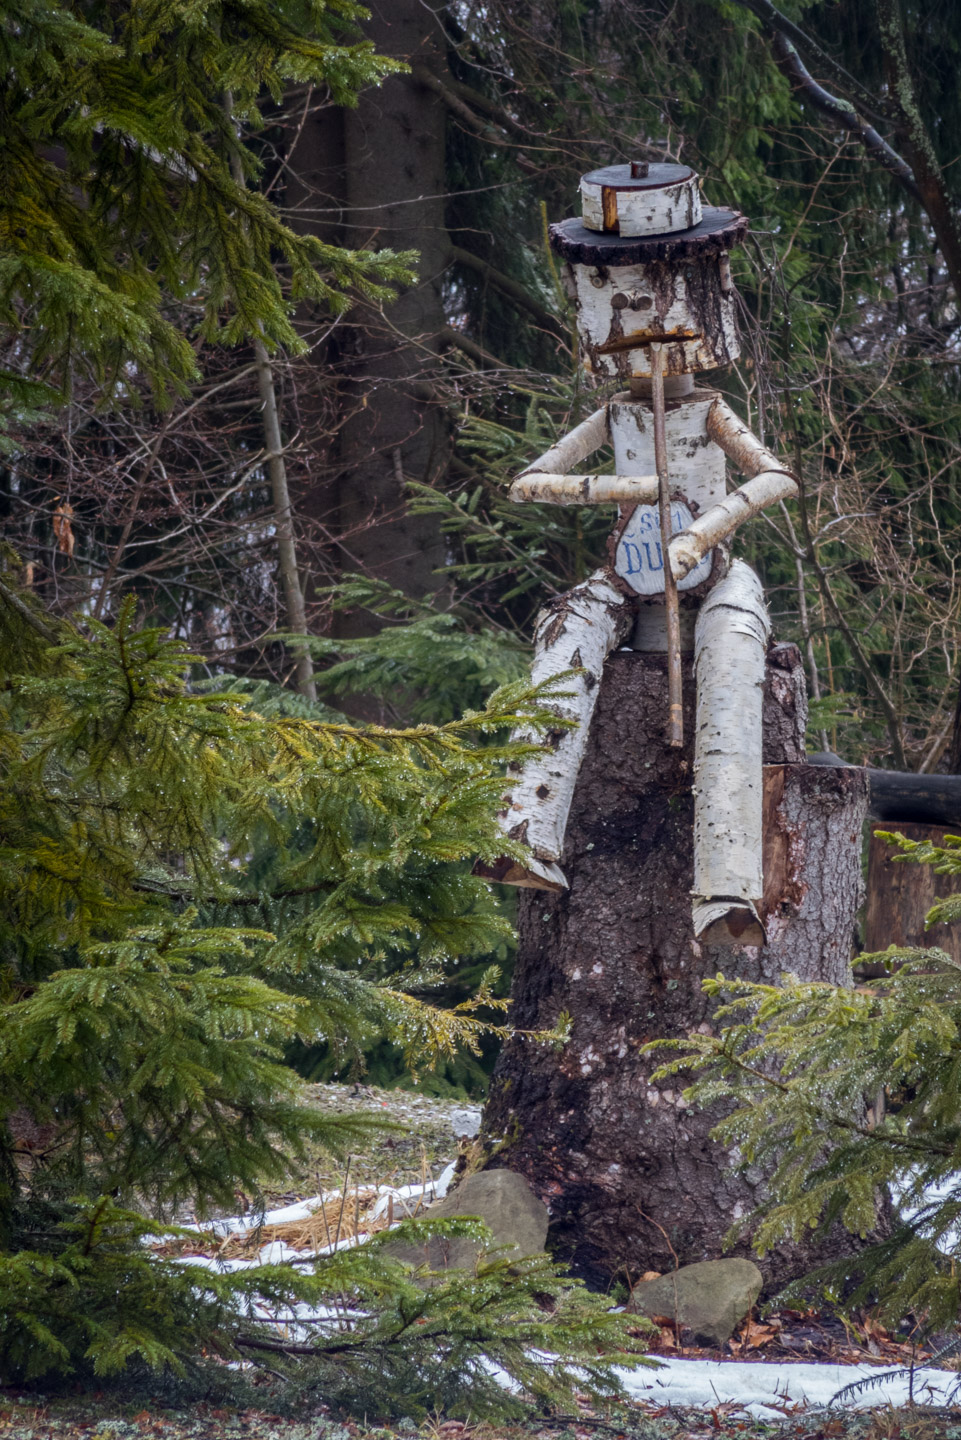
<point x="510" y="288"/>
<point x="774" y="21"/>
<point x="843" y="113"/>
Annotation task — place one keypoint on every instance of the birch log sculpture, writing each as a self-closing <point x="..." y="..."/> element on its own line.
<point x="676" y="458"/>
<point x="730" y="646"/>
<point x="764" y="847"/>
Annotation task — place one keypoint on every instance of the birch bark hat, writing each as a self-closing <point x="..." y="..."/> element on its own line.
<point x="647" y="261"/>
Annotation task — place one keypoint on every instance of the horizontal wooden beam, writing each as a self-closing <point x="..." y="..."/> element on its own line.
<point x="902" y="795"/>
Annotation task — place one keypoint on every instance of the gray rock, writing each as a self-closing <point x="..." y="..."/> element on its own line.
<point x="710" y="1298"/>
<point x="507" y="1206"/>
<point x="465" y="1123"/>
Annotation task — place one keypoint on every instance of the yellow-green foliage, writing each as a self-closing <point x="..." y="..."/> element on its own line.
<point x="148" y="987"/>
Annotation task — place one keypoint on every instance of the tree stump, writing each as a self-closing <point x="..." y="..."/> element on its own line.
<point x="631" y="1177"/>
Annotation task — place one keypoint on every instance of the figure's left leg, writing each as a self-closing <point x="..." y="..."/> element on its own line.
<point x="730" y="645"/>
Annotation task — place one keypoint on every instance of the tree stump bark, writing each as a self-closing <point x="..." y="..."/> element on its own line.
<point x="629" y="1172"/>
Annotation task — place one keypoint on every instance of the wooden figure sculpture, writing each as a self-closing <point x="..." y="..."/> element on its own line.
<point x="684" y="773"/>
<point x="650" y="272"/>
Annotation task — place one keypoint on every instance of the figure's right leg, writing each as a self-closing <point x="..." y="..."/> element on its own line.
<point x="577" y="631"/>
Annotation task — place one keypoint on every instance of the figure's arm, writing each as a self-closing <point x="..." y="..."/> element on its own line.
<point x="770" y="481"/>
<point x="548" y="480"/>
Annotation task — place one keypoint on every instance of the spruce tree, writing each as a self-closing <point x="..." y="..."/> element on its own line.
<point x="153" y="969"/>
<point x="121" y="131"/>
<point x="141" y="1039"/>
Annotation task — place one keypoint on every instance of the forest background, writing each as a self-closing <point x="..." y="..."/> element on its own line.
<point x="279" y="324"/>
<point x="340" y="474"/>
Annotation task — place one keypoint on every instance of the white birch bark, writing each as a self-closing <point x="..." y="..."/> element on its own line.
<point x="657" y="210"/>
<point x="548" y="481"/>
<point x="575" y="632"/>
<point x="690" y="546"/>
<point x="662" y="297"/>
<point x="729" y="654"/>
<point x="584" y="489"/>
<point x="574" y="447"/>
<point x="738" y="443"/>
<point x="696" y="466"/>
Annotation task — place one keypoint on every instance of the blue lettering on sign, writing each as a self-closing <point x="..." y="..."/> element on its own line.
<point x="639" y="559"/>
<point x="632" y="554"/>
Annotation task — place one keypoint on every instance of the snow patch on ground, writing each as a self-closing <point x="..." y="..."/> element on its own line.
<point x="403" y="1200"/>
<point x="765" y="1388"/>
<point x="762" y="1389"/>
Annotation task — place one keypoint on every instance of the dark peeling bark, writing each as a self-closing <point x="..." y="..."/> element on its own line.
<point x="626" y="1167"/>
<point x="785" y="706"/>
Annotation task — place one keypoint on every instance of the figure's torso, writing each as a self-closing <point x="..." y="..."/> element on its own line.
<point x="696" y="467"/>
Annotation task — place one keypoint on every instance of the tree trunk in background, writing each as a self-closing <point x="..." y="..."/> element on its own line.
<point x="374" y="177"/>
<point x="628" y="1171"/>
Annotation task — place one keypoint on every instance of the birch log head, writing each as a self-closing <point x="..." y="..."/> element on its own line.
<point x="674" y="288"/>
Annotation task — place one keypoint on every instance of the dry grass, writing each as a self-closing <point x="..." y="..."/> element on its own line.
<point x="349" y="1212"/>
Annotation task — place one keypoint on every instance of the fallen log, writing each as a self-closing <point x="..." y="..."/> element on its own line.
<point x="901" y="795"/>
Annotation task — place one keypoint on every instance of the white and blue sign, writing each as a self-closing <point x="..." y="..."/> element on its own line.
<point x="639" y="559"/>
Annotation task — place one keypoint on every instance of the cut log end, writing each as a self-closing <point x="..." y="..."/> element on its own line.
<point x="726" y="923"/>
<point x="535" y="875"/>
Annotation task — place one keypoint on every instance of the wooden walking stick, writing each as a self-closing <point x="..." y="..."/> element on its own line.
<point x="675" y="722"/>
